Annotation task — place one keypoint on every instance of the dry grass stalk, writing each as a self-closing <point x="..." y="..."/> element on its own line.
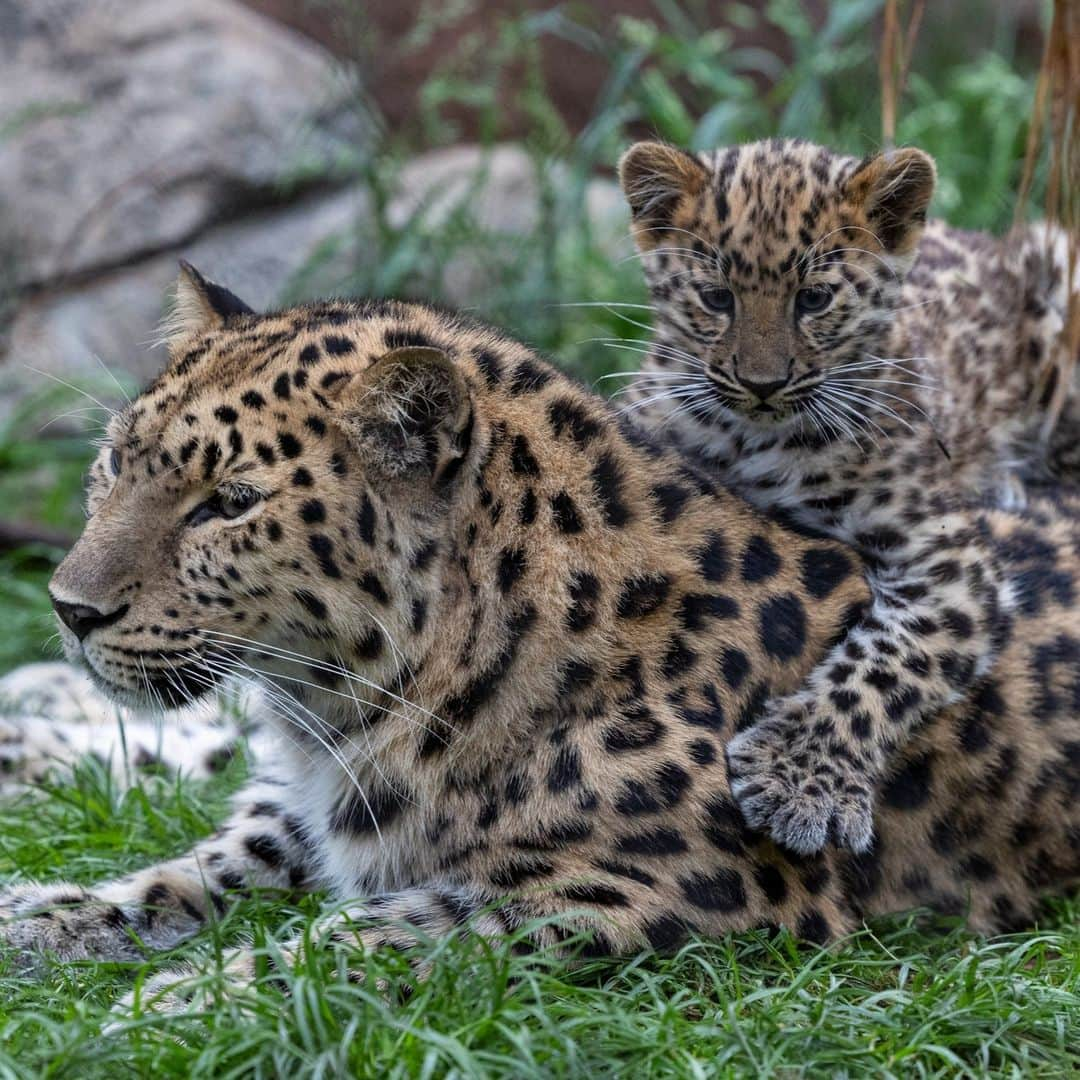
<point x="895" y="61"/>
<point x="1054" y="132"/>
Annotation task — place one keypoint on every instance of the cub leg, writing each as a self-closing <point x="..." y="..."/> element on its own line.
<point x="806" y="771"/>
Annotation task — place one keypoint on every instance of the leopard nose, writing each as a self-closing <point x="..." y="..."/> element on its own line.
<point x="80" y="619"/>
<point x="762" y="390"/>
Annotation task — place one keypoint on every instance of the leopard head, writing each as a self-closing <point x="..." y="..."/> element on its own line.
<point x="775" y="267"/>
<point x="279" y="492"/>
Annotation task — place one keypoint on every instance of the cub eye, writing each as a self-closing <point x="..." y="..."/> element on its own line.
<point x="813" y="300"/>
<point x="114" y="461"/>
<point x="717" y="299"/>
<point x="231" y="502"/>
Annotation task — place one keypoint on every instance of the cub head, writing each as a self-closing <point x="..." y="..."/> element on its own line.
<point x="274" y="502"/>
<point x="775" y="267"/>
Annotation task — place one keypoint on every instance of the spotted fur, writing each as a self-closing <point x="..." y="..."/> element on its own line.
<point x="825" y="356"/>
<point x="52" y="717"/>
<point x="506" y="639"/>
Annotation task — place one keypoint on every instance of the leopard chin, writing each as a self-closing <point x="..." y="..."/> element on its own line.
<point x="154" y="690"/>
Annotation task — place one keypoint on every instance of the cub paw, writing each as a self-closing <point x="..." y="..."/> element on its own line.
<point x="801" y="793"/>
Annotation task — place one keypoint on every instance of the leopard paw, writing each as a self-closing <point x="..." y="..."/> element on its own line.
<point x="853" y="822"/>
<point x="798" y="791"/>
<point x="189" y="989"/>
<point x="63" y="921"/>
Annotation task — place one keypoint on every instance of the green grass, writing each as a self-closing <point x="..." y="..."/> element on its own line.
<point x="906" y="997"/>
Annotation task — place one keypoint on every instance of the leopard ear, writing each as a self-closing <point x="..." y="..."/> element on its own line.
<point x="199" y="305"/>
<point x="894" y="189"/>
<point x="654" y="178"/>
<point x="409" y="415"/>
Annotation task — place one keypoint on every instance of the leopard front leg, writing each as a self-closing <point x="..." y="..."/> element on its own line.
<point x="403" y="922"/>
<point x="807" y="771"/>
<point x="260" y="846"/>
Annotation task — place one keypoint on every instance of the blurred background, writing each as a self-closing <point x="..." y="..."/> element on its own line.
<point x="460" y="150"/>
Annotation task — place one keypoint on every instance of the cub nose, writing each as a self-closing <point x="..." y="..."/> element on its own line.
<point x="80" y="619"/>
<point x="761" y="390"/>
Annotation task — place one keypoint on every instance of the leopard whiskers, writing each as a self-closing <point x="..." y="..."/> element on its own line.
<point x="870" y="359"/>
<point x="875" y="382"/>
<point x="285" y="702"/>
<point x="277" y="675"/>
<point x="607" y="304"/>
<point x="84" y="414"/>
<point x="686" y="253"/>
<point x="808" y="408"/>
<point x="872" y="386"/>
<point x="660" y="348"/>
<point x="665" y="348"/>
<point x="703" y="398"/>
<point x="638" y="405"/>
<point x="838" y="396"/>
<point x="108" y="371"/>
<point x="673" y="380"/>
<point x="365" y="727"/>
<point x="824" y="259"/>
<point x="899" y="360"/>
<point x="211" y="680"/>
<point x="400" y="659"/>
<point x="71" y="386"/>
<point x="685" y="232"/>
<point x="643" y="350"/>
<point x="841" y="262"/>
<point x="811" y="251"/>
<point x="851" y="421"/>
<point x="288" y="656"/>
<point x="844" y="424"/>
<point x="637" y="373"/>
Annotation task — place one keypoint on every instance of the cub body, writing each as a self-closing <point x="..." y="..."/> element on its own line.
<point x="825" y="356"/>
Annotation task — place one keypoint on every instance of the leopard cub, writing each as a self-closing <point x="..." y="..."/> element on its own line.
<point x="869" y="377"/>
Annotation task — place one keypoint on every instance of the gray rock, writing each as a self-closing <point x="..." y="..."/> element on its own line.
<point x="306" y="250"/>
<point x="111" y="319"/>
<point x="129" y="126"/>
<point x="500" y="192"/>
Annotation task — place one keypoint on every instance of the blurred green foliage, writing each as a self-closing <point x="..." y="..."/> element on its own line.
<point x="40" y="481"/>
<point x="679" y="77"/>
<point x="674" y="75"/>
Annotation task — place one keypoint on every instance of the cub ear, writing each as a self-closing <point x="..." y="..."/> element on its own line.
<point x="654" y="178"/>
<point x="410" y="415"/>
<point x="199" y="305"/>
<point x="894" y="189"/>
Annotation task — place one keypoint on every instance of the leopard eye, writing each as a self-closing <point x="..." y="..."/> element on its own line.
<point x="114" y="461"/>
<point x="229" y="503"/>
<point x="717" y="299"/>
<point x="813" y="300"/>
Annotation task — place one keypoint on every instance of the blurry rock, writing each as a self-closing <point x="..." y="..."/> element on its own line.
<point x="128" y="126"/>
<point x="498" y="186"/>
<point x="500" y="192"/>
<point x="111" y="319"/>
<point x="304" y="250"/>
